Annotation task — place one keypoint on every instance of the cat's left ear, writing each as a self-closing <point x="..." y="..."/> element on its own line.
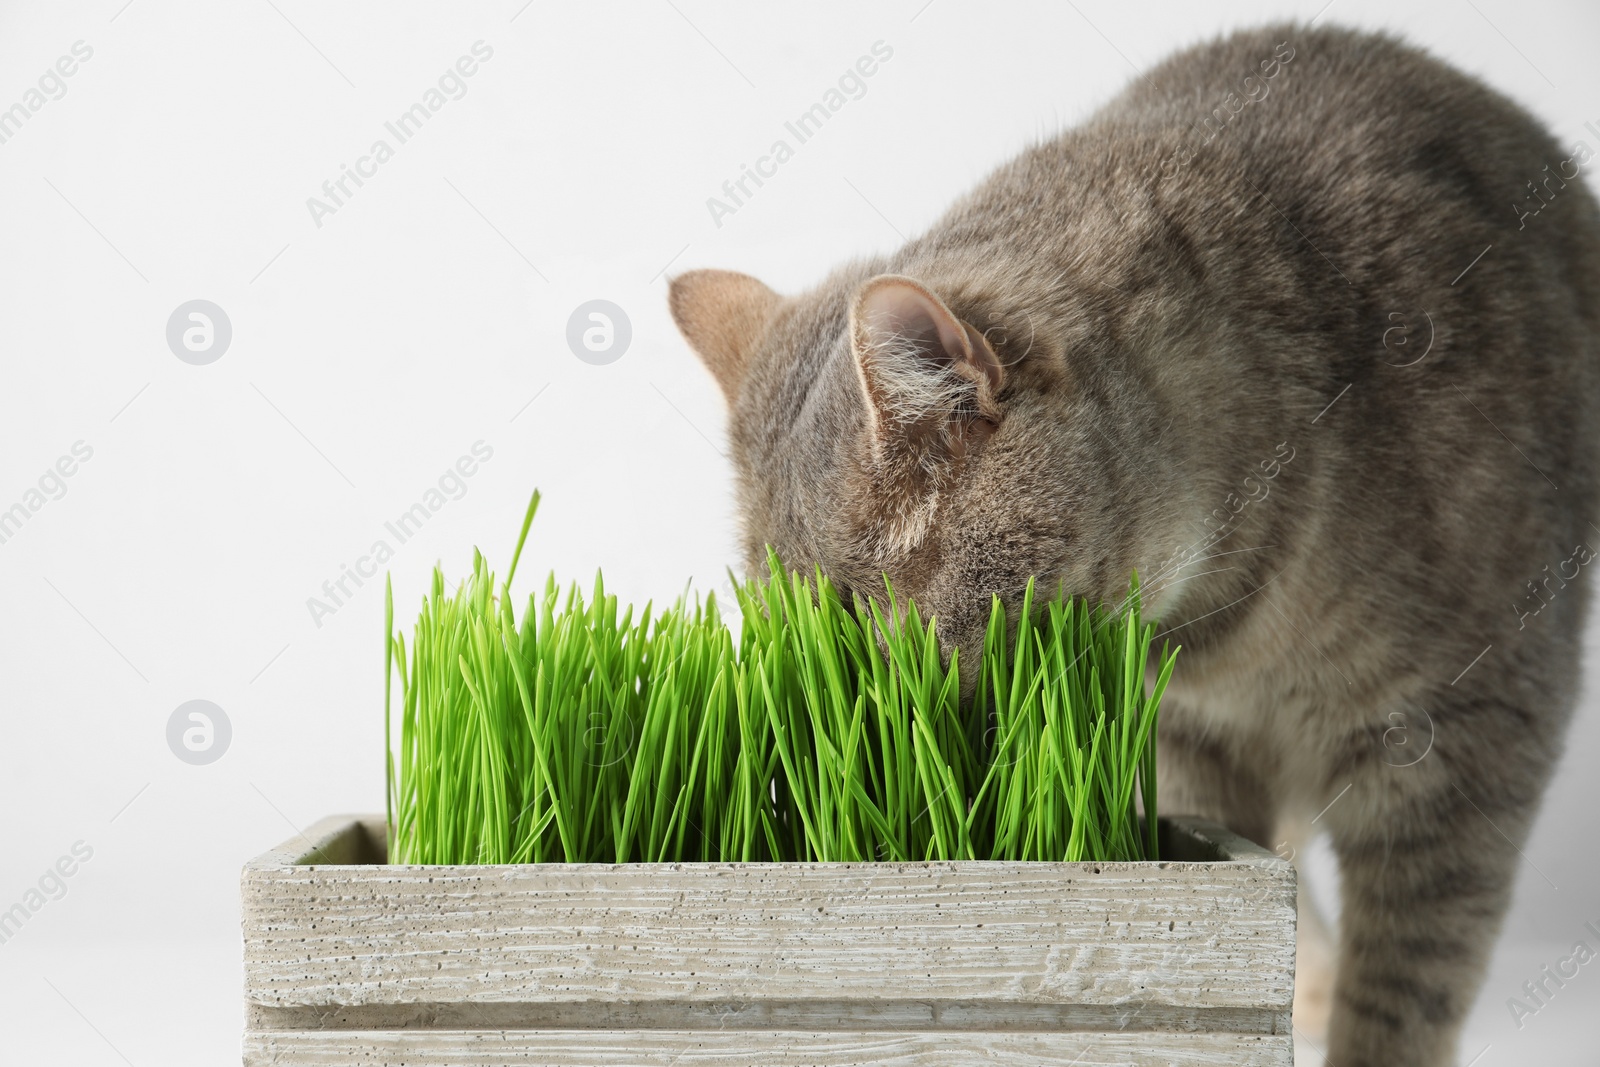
<point x="929" y="376"/>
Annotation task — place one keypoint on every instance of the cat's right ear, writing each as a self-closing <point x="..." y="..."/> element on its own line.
<point x="723" y="315"/>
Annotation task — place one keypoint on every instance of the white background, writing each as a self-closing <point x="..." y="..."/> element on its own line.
<point x="372" y="351"/>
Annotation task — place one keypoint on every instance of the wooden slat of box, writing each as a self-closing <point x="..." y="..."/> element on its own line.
<point x="681" y="1048"/>
<point x="348" y="960"/>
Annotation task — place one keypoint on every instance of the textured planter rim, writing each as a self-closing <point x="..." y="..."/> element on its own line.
<point x="362" y="841"/>
<point x="1187" y="960"/>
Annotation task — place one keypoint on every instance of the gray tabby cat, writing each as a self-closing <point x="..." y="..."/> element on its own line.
<point x="1226" y="332"/>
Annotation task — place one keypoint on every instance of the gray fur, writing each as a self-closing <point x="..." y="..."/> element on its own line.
<point x="1176" y="293"/>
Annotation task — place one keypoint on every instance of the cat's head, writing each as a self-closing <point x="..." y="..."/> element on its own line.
<point x="886" y="425"/>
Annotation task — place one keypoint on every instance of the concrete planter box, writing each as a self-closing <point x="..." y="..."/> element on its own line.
<point x="1188" y="961"/>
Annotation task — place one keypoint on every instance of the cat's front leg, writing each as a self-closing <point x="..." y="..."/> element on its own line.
<point x="1207" y="773"/>
<point x="1427" y="854"/>
<point x="1314" y="959"/>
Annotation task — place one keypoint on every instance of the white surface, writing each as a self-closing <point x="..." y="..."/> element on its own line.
<point x="375" y="350"/>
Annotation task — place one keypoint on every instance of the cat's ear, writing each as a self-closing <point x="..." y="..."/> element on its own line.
<point x="723" y="315"/>
<point x="929" y="376"/>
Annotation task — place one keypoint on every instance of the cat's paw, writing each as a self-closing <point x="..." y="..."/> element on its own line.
<point x="1313" y="988"/>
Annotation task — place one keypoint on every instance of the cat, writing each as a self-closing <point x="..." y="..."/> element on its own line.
<point x="1300" y="327"/>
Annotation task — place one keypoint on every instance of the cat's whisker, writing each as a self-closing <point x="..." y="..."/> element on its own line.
<point x="1230" y="552"/>
<point x="1225" y="607"/>
<point x="1178" y="581"/>
<point x="1200" y="559"/>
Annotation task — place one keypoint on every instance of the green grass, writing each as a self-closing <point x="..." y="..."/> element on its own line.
<point x="583" y="731"/>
